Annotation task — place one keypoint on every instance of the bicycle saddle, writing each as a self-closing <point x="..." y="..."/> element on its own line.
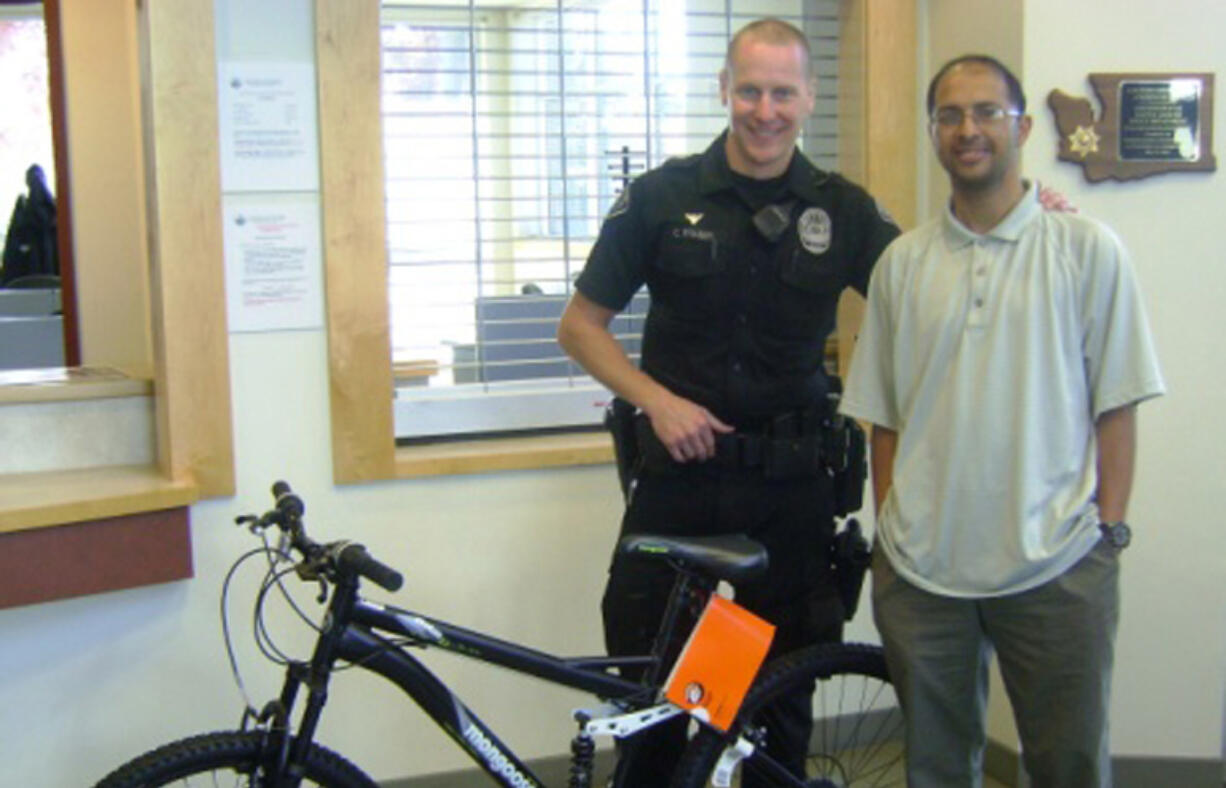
<point x="731" y="558"/>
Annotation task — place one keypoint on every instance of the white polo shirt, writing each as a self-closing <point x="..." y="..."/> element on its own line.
<point x="992" y="355"/>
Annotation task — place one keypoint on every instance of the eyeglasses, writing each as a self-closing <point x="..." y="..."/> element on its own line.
<point x="982" y="114"/>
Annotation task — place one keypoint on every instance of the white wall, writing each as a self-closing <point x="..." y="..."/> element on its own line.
<point x="1171" y="653"/>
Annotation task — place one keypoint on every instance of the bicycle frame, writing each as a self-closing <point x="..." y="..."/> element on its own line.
<point x="360" y="640"/>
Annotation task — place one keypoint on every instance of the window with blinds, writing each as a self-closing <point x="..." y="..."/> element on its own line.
<point x="509" y="130"/>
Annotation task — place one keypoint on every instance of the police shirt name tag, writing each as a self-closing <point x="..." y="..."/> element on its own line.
<point x="694" y="234"/>
<point x="814" y="229"/>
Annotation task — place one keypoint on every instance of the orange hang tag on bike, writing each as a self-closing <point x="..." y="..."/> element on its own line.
<point x="719" y="662"/>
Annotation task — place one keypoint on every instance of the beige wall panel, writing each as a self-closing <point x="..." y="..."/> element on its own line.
<point x="878" y="116"/>
<point x="851" y="91"/>
<point x="102" y="84"/>
<point x="355" y="249"/>
<point x="959" y="27"/>
<point x="891" y="106"/>
<point x="192" y="385"/>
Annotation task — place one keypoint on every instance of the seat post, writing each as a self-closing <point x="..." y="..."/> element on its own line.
<point x="687" y="586"/>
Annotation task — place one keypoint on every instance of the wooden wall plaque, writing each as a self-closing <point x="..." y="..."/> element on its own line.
<point x="1150" y="124"/>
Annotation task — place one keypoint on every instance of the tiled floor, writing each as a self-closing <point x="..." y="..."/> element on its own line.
<point x="891" y="775"/>
<point x="895" y="776"/>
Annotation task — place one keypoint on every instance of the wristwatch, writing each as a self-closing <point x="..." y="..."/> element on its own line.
<point x="1117" y="534"/>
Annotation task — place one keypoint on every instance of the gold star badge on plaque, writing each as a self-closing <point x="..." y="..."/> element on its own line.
<point x="1083" y="141"/>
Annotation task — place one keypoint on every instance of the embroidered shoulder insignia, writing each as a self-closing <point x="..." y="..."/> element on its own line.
<point x="621" y="204"/>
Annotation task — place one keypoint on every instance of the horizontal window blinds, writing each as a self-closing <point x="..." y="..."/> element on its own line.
<point x="509" y="130"/>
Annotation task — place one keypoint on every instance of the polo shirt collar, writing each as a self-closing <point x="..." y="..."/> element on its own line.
<point x="1008" y="229"/>
<point x="715" y="175"/>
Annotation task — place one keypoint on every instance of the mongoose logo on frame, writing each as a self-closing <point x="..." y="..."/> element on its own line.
<point x="494" y="757"/>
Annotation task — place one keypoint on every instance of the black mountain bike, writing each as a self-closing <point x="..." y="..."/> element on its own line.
<point x="856" y="740"/>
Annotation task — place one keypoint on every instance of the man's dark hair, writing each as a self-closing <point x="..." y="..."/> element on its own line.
<point x="1016" y="97"/>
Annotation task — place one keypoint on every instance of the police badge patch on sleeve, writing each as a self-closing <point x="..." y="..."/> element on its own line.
<point x="814" y="229"/>
<point x="621" y="204"/>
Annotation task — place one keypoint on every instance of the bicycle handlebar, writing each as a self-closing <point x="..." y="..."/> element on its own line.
<point x="288" y="504"/>
<point x="345" y="558"/>
<point x="354" y="558"/>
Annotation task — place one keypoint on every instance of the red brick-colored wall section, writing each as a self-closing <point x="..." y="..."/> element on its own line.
<point x="43" y="564"/>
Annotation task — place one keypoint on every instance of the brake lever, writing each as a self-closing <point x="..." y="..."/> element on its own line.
<point x="284" y="544"/>
<point x="311" y="568"/>
<point x="257" y="524"/>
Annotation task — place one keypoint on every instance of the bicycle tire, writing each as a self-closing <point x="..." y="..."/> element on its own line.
<point x="857" y="739"/>
<point x="234" y="754"/>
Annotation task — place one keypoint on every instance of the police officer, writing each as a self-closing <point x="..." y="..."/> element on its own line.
<point x="745" y="250"/>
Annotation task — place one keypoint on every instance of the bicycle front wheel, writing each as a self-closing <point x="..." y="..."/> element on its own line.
<point x="227" y="759"/>
<point x="857" y="733"/>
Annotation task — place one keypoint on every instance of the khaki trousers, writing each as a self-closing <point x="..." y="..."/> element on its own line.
<point x="1055" y="644"/>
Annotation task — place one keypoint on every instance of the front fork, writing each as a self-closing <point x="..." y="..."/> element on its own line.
<point x="273" y="722"/>
<point x="282" y="757"/>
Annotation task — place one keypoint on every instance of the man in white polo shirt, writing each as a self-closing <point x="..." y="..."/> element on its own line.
<point x="1001" y="359"/>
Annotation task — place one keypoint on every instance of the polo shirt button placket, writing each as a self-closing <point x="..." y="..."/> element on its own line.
<point x="978" y="269"/>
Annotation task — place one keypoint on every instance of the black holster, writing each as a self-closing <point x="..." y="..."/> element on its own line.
<point x="846" y="459"/>
<point x="619" y="421"/>
<point x="850" y="555"/>
<point x="846" y="453"/>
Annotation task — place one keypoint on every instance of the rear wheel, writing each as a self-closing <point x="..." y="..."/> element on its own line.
<point x="857" y="735"/>
<point x="227" y="759"/>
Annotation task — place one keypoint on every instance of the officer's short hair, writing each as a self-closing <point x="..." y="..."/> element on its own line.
<point x="772" y="31"/>
<point x="1016" y="97"/>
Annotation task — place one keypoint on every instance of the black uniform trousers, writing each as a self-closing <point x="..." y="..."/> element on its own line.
<point x="793" y="519"/>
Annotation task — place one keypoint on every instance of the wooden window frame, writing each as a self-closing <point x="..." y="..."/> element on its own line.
<point x="878" y="39"/>
<point x="86" y="531"/>
<point x="191" y="383"/>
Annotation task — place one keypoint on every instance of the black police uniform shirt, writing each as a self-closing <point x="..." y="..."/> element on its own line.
<point x="737" y="322"/>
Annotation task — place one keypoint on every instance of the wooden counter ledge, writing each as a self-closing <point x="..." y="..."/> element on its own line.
<point x="35" y="500"/>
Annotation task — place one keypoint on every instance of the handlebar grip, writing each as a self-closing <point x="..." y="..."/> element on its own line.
<point x="354" y="557"/>
<point x="288" y="502"/>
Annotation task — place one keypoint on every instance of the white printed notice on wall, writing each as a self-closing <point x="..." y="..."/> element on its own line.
<point x="273" y="271"/>
<point x="269" y="133"/>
